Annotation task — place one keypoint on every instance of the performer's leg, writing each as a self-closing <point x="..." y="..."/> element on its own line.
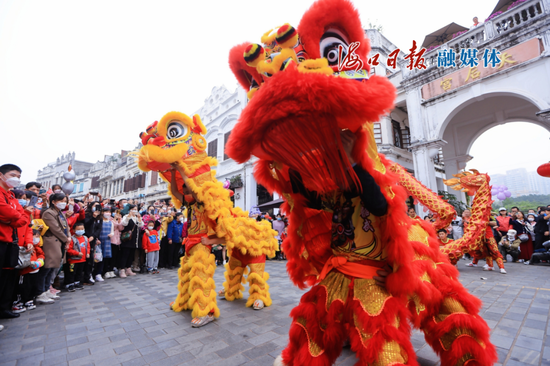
<point x="317" y="332"/>
<point x="233" y="277"/>
<point x="492" y="247"/>
<point x="181" y="302"/>
<point x="379" y="330"/>
<point x="489" y="261"/>
<point x="201" y="286"/>
<point x="449" y="317"/>
<point x="459" y="336"/>
<point x="259" y="289"/>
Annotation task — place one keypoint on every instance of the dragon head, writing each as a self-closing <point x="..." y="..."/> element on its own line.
<point x="468" y="181"/>
<point x="302" y="95"/>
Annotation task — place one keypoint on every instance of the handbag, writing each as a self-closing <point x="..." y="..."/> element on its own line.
<point x="524" y="237"/>
<point x="98" y="255"/>
<point x="127" y="235"/>
<point x="24" y="259"/>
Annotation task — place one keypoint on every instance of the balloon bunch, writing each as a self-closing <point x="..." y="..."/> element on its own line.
<point x="501" y="192"/>
<point x="69" y="177"/>
<point x="227" y="185"/>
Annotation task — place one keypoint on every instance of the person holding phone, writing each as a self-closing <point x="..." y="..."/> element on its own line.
<point x="129" y="240"/>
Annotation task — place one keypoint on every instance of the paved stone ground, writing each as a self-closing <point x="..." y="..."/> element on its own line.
<point x="128" y="322"/>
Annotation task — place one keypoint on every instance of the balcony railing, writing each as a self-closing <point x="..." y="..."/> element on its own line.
<point x="517" y="16"/>
<point x="479" y="36"/>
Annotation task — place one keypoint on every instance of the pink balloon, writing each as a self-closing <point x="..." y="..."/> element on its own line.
<point x="507" y="194"/>
<point x="501" y="196"/>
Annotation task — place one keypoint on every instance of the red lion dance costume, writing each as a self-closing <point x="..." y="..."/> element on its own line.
<point x="340" y="234"/>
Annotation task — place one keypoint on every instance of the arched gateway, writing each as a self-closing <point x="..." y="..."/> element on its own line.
<point x="447" y="109"/>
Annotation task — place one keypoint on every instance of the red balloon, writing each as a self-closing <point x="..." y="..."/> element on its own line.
<point x="544" y="170"/>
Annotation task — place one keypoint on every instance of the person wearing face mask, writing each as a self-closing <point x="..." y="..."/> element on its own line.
<point x="77" y="254"/>
<point x="11" y="276"/>
<point x="12" y="216"/>
<point x="279" y="227"/>
<point x="524" y="229"/>
<point x="541" y="229"/>
<point x="129" y="240"/>
<point x="151" y="247"/>
<point x="28" y="286"/>
<point x="56" y="188"/>
<point x="509" y="244"/>
<point x="175" y="238"/>
<point x="93" y="224"/>
<point x="115" y="241"/>
<point x="165" y="220"/>
<point x="55" y="238"/>
<point x="105" y="267"/>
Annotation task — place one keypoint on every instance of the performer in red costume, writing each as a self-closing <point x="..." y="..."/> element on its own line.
<point x="309" y="123"/>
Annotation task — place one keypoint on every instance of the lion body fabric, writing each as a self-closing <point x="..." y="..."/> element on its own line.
<point x="346" y="221"/>
<point x="178" y="140"/>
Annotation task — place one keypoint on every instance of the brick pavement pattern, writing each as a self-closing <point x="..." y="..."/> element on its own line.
<point x="128" y="322"/>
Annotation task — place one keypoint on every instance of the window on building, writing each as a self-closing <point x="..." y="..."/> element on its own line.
<point x="81" y="188"/>
<point x="154" y="178"/>
<point x="377" y="133"/>
<point x="439" y="158"/>
<point x="397" y="137"/>
<point x="95" y="182"/>
<point x="263" y="195"/>
<point x="406" y="135"/>
<point x="225" y="139"/>
<point x="213" y="148"/>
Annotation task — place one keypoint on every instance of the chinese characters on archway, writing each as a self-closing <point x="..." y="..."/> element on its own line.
<point x="468" y="57"/>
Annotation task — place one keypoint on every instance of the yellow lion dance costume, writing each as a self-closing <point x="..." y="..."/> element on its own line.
<point x="175" y="147"/>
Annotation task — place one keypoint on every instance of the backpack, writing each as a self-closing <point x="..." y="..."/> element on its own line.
<point x="76" y="247"/>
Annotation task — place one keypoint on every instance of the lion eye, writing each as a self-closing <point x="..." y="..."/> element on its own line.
<point x="175" y="130"/>
<point x="328" y="47"/>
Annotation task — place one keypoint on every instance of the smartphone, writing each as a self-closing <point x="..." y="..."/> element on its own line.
<point x="42" y="191"/>
<point x="33" y="201"/>
<point x="71" y="208"/>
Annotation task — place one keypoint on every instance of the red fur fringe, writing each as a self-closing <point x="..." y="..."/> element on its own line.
<point x="297" y="95"/>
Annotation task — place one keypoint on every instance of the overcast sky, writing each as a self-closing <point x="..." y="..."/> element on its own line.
<point x="88" y="76"/>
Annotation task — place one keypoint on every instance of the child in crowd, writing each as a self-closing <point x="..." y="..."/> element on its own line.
<point x="443" y="238"/>
<point x="152" y="247"/>
<point x="28" y="286"/>
<point x="77" y="252"/>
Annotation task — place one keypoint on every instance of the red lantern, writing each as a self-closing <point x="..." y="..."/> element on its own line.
<point x="544" y="170"/>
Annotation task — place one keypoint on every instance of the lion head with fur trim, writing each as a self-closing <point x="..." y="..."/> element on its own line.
<point x="174" y="138"/>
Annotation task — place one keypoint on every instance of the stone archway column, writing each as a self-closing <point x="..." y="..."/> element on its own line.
<point x="421" y="147"/>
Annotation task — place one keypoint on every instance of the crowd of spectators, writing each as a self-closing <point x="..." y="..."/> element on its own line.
<point x="50" y="242"/>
